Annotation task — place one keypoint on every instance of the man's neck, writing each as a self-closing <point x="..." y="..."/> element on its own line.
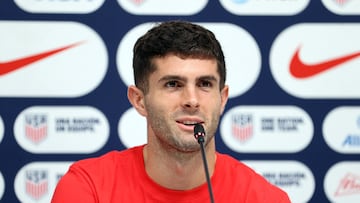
<point x="178" y="171"/>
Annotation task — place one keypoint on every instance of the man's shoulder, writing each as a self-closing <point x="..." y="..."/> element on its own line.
<point x="256" y="185"/>
<point x="109" y="160"/>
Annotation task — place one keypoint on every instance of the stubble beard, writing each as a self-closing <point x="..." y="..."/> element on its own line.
<point x="174" y="140"/>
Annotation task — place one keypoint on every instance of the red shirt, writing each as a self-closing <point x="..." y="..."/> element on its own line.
<point x="121" y="177"/>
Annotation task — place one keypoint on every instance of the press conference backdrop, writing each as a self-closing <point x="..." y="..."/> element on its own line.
<point x="293" y="70"/>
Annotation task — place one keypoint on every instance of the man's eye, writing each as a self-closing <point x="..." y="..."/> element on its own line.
<point x="172" y="84"/>
<point x="205" y="84"/>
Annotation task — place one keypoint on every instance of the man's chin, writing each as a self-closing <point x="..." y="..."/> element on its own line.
<point x="190" y="148"/>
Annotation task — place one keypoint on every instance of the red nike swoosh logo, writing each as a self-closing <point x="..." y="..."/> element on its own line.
<point x="300" y="69"/>
<point x="16" y="64"/>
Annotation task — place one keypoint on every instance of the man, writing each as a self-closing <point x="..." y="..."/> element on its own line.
<point x="179" y="71"/>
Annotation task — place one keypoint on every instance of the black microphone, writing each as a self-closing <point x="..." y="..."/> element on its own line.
<point x="199" y="134"/>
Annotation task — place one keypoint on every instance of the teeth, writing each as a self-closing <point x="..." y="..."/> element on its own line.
<point x="189" y="123"/>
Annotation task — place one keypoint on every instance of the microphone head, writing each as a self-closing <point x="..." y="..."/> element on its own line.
<point x="199" y="132"/>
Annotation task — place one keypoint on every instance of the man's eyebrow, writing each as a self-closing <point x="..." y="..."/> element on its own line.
<point x="171" y="77"/>
<point x="208" y="78"/>
<point x="180" y="78"/>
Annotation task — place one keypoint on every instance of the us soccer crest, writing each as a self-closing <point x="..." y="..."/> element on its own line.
<point x="36" y="127"/>
<point x="36" y="183"/>
<point x="242" y="126"/>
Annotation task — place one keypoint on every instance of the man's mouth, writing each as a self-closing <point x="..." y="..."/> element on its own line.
<point x="189" y="123"/>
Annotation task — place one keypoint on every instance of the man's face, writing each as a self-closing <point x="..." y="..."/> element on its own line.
<point x="183" y="92"/>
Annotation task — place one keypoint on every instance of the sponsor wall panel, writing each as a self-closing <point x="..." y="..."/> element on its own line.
<point x="293" y="68"/>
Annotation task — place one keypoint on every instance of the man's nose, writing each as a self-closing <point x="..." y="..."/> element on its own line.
<point x="190" y="98"/>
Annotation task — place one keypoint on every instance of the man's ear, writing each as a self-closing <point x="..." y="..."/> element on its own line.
<point x="136" y="98"/>
<point x="224" y="97"/>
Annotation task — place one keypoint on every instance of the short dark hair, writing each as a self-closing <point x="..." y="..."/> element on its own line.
<point x="181" y="38"/>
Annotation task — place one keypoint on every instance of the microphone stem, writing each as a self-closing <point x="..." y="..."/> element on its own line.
<point x="201" y="142"/>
